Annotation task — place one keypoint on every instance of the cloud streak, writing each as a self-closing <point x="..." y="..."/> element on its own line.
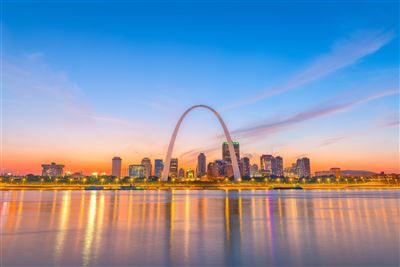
<point x="342" y="55"/>
<point x="322" y="110"/>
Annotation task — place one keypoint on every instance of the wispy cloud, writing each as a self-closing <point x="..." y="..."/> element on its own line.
<point x="343" y="54"/>
<point x="320" y="111"/>
<point x="331" y="141"/>
<point x="391" y="121"/>
<point x="29" y="81"/>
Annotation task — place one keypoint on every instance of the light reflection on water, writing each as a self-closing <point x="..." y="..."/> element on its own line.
<point x="218" y="228"/>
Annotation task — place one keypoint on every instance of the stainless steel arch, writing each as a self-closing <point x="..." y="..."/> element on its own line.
<point x="167" y="162"/>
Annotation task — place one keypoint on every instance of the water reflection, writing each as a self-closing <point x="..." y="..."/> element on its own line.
<point x="200" y="228"/>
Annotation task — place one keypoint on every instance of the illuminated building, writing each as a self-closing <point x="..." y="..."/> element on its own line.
<point x="116" y="167"/>
<point x="181" y="173"/>
<point x="173" y="168"/>
<point x="245" y="167"/>
<point x="336" y="172"/>
<point x="278" y="171"/>
<point x="52" y="170"/>
<point x="190" y="174"/>
<point x="212" y="170"/>
<point x="158" y="167"/>
<point x="146" y="162"/>
<point x="266" y="162"/>
<point x="303" y="167"/>
<point x="201" y="165"/>
<point x="226" y="156"/>
<point x="253" y="170"/>
<point x="291" y="172"/>
<point x="137" y="171"/>
<point x="228" y="170"/>
<point x="323" y="173"/>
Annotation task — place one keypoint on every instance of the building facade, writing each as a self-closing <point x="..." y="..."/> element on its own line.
<point x="173" y="168"/>
<point x="245" y="167"/>
<point x="146" y="162"/>
<point x="116" y="167"/>
<point x="137" y="171"/>
<point x="52" y="170"/>
<point x="303" y="167"/>
<point x="278" y="171"/>
<point x="266" y="164"/>
<point x="201" y="165"/>
<point x="226" y="156"/>
<point x="158" y="167"/>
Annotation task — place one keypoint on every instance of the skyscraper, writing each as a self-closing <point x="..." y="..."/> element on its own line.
<point x="146" y="162"/>
<point x="245" y="165"/>
<point x="266" y="162"/>
<point x="181" y="173"/>
<point x="278" y="171"/>
<point x="116" y="167"/>
<point x="137" y="171"/>
<point x="253" y="170"/>
<point x="303" y="167"/>
<point x="226" y="156"/>
<point x="158" y="167"/>
<point x="173" y="168"/>
<point x="201" y="165"/>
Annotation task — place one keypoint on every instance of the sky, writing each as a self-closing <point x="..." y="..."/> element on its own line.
<point x="84" y="81"/>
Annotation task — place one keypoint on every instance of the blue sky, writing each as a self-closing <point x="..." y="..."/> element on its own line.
<point x="92" y="79"/>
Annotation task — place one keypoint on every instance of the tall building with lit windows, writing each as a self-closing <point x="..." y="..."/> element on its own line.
<point x="226" y="156"/>
<point x="278" y="164"/>
<point x="245" y="167"/>
<point x="173" y="168"/>
<point x="266" y="163"/>
<point x="303" y="167"/>
<point x="146" y="162"/>
<point x="158" y="167"/>
<point x="116" y="167"/>
<point x="201" y="165"/>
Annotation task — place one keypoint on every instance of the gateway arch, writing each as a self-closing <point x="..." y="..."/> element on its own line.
<point x="234" y="159"/>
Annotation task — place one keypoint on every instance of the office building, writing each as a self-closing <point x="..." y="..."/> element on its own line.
<point x="245" y="167"/>
<point x="116" y="167"/>
<point x="146" y="162"/>
<point x="278" y="165"/>
<point x="254" y="170"/>
<point x="52" y="170"/>
<point x="303" y="167"/>
<point x="201" y="165"/>
<point x="181" y="173"/>
<point x="189" y="174"/>
<point x="266" y="163"/>
<point x="336" y="172"/>
<point x="158" y="167"/>
<point x="226" y="156"/>
<point x="137" y="171"/>
<point x="173" y="168"/>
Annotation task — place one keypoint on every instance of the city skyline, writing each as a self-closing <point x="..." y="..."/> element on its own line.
<point x="79" y="96"/>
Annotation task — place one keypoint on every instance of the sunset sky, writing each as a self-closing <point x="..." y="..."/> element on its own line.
<point x="84" y="81"/>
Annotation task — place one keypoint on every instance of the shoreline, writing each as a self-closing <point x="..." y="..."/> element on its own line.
<point x="211" y="186"/>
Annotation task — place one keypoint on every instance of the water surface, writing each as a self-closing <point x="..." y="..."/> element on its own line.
<point x="200" y="228"/>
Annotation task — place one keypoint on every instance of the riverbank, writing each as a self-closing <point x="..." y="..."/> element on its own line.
<point x="200" y="186"/>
